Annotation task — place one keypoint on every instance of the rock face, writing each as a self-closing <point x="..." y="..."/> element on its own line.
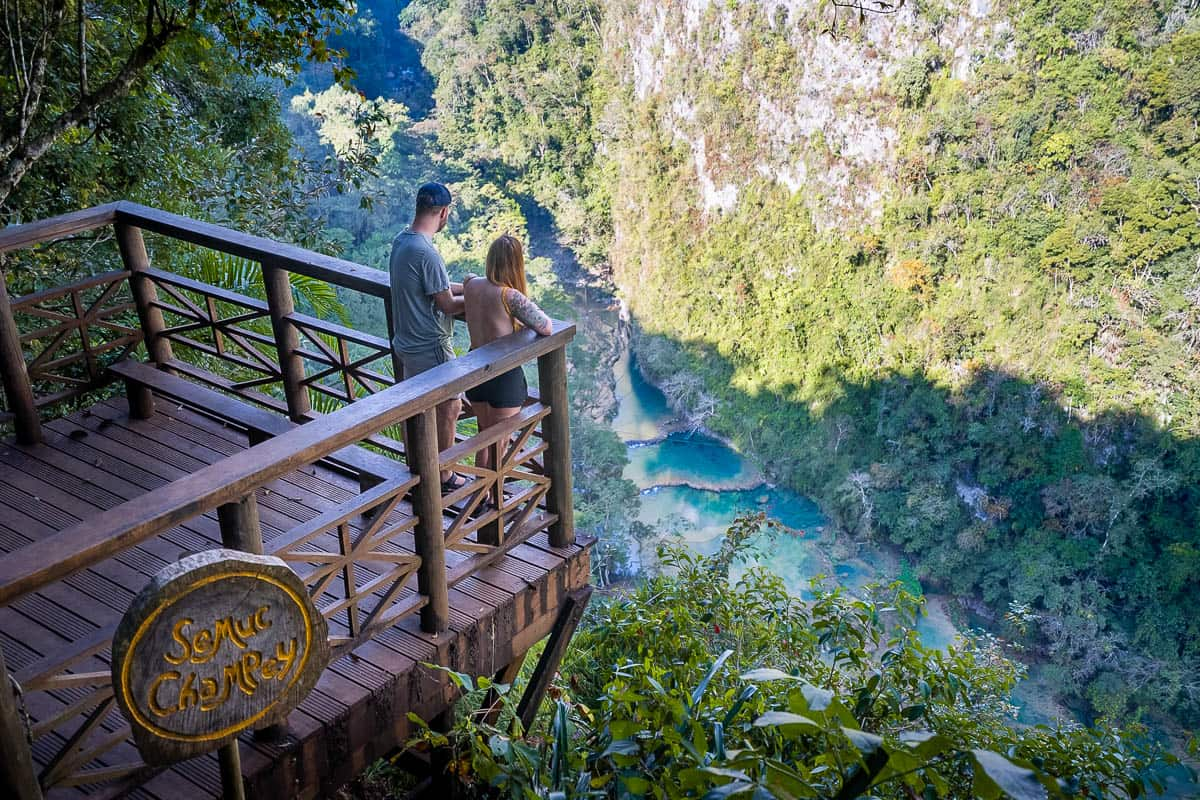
<point x="820" y="95"/>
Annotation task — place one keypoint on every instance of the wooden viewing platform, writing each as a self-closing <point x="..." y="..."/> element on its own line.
<point x="155" y="416"/>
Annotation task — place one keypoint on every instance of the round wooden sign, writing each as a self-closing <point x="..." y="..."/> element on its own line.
<point x="216" y="643"/>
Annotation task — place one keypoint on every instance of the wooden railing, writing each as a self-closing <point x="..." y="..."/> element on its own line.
<point x="267" y="352"/>
<point x="358" y="559"/>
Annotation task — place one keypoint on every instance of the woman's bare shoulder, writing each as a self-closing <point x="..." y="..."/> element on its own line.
<point x="527" y="311"/>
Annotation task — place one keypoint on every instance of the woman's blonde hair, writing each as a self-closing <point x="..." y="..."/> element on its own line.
<point x="506" y="263"/>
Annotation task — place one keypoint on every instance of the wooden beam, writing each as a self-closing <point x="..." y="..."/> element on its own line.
<point x="287" y="340"/>
<point x="490" y="710"/>
<point x="569" y="615"/>
<point x="145" y="296"/>
<point x="15" y="373"/>
<point x="16" y="759"/>
<point x="556" y="431"/>
<point x="421" y="435"/>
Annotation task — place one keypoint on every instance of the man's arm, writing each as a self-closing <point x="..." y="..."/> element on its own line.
<point x="449" y="303"/>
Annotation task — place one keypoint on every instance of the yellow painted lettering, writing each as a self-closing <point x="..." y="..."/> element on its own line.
<point x="244" y="628"/>
<point x="224" y="629"/>
<point x="188" y="696"/>
<point x="208" y="692"/>
<point x="261" y="623"/>
<point x="250" y="664"/>
<point x="152" y="698"/>
<point x="285" y="655"/>
<point x="178" y="635"/>
<point x="203" y="647"/>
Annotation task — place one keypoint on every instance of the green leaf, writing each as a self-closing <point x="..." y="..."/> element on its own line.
<point x="462" y="680"/>
<point x="623" y="728"/>
<point x="782" y="719"/>
<point x="818" y="699"/>
<point x="863" y="741"/>
<point x="995" y="774"/>
<point x="622" y="747"/>
<point x="729" y="790"/>
<point x="928" y="744"/>
<point x="699" y="691"/>
<point x="736" y="774"/>
<point x="765" y="674"/>
<point x="635" y="784"/>
<point x="500" y="745"/>
<point x="786" y="783"/>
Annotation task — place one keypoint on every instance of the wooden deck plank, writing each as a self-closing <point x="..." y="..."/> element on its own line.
<point x="155" y="464"/>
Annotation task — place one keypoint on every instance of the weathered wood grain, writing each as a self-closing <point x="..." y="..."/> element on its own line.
<point x="216" y="643"/>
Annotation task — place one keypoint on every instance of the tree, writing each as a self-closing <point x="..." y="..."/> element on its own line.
<point x="65" y="64"/>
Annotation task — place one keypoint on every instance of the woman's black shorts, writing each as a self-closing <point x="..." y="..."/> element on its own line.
<point x="503" y="391"/>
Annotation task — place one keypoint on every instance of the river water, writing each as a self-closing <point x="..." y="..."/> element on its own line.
<point x="695" y="486"/>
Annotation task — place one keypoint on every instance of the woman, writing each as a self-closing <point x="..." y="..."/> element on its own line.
<point x="495" y="307"/>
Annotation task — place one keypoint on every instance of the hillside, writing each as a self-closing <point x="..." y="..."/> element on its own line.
<point x="939" y="267"/>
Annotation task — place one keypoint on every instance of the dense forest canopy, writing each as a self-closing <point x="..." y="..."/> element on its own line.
<point x="993" y="367"/>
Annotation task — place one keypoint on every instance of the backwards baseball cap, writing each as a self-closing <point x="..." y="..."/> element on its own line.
<point x="432" y="195"/>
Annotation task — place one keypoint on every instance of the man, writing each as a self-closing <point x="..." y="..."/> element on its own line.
<point x="424" y="304"/>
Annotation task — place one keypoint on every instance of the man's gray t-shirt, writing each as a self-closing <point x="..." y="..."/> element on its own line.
<point x="418" y="273"/>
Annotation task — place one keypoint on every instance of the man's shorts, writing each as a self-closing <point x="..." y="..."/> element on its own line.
<point x="416" y="363"/>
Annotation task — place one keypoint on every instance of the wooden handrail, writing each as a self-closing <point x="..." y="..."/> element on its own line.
<point x="16" y="237"/>
<point x="257" y="248"/>
<point x="75" y="548"/>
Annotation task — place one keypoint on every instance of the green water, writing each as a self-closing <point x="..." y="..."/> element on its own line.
<point x="692" y="459"/>
<point x="693" y="486"/>
<point x="642" y="410"/>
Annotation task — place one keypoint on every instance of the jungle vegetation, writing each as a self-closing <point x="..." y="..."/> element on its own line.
<point x="997" y="376"/>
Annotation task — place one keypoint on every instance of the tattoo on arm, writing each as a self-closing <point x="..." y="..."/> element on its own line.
<point x="528" y="312"/>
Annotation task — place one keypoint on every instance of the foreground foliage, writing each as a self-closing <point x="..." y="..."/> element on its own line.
<point x="695" y="686"/>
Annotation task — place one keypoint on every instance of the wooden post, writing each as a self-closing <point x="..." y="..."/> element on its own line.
<point x="141" y="399"/>
<point x="240" y="530"/>
<point x="15" y="374"/>
<point x="556" y="430"/>
<point x="390" y="315"/>
<point x="422" y="455"/>
<point x="493" y="532"/>
<point x="287" y="341"/>
<point x="230" y="759"/>
<point x="133" y="253"/>
<point x="16" y="759"/>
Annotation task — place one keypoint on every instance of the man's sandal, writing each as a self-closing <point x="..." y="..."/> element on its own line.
<point x="453" y="483"/>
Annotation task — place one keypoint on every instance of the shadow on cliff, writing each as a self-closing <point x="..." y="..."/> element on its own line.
<point x="1001" y="489"/>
